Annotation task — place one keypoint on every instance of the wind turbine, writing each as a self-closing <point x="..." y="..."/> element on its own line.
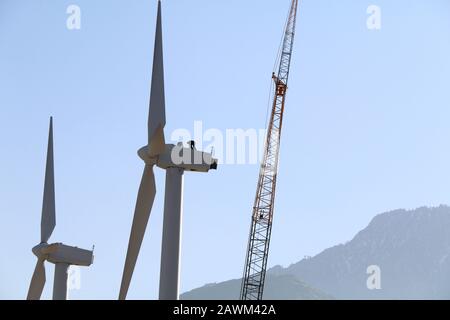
<point x="61" y="255"/>
<point x="175" y="159"/>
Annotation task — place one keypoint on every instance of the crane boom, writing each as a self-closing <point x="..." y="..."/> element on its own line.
<point x="262" y="215"/>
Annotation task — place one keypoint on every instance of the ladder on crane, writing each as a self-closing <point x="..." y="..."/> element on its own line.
<point x="261" y="223"/>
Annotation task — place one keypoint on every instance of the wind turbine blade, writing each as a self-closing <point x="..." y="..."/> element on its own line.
<point x="37" y="281"/>
<point x="48" y="219"/>
<point x="144" y="203"/>
<point x="157" y="108"/>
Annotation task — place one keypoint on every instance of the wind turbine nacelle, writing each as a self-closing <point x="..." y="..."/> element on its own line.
<point x="188" y="159"/>
<point x="62" y="253"/>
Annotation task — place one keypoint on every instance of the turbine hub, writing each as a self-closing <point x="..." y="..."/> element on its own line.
<point x="144" y="155"/>
<point x="40" y="250"/>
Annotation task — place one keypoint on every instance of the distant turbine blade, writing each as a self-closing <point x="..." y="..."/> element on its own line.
<point x="48" y="219"/>
<point x="157" y="109"/>
<point x="37" y="281"/>
<point x="144" y="203"/>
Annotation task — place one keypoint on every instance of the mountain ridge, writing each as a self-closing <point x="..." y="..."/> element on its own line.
<point x="410" y="247"/>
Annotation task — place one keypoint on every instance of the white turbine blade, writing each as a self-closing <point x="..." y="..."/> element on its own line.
<point x="157" y="109"/>
<point x="48" y="219"/>
<point x="144" y="203"/>
<point x="37" y="281"/>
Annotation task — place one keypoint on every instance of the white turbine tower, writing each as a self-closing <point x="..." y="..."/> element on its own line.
<point x="61" y="255"/>
<point x="175" y="159"/>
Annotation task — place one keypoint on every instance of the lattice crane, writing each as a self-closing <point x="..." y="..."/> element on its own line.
<point x="262" y="215"/>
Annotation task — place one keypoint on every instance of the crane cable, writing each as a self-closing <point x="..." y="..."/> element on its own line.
<point x="274" y="69"/>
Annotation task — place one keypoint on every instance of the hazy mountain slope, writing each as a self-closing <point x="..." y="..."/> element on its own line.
<point x="277" y="287"/>
<point x="412" y="249"/>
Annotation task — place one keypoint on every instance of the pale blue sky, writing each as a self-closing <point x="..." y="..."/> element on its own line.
<point x="366" y="130"/>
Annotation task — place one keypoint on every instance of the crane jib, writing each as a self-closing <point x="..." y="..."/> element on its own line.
<point x="262" y="216"/>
